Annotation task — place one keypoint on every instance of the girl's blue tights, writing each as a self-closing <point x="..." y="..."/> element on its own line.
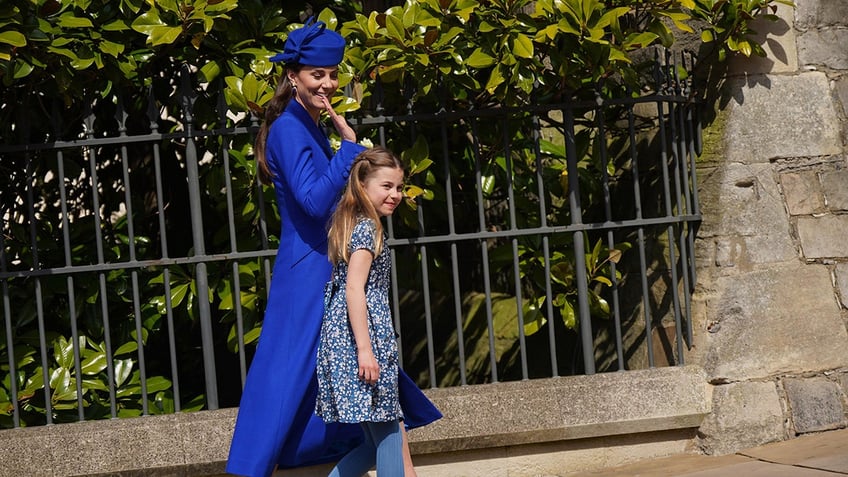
<point x="383" y="442"/>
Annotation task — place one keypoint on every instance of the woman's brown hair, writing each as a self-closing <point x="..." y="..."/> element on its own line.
<point x="355" y="203"/>
<point x="283" y="94"/>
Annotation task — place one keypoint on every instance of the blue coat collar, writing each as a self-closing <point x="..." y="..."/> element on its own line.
<point x="298" y="111"/>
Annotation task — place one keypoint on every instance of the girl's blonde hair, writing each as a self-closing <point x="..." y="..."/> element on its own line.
<point x="355" y="203"/>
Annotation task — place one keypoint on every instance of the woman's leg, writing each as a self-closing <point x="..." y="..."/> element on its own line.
<point x="408" y="467"/>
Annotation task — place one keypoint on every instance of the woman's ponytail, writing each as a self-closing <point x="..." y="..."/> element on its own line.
<point x="273" y="110"/>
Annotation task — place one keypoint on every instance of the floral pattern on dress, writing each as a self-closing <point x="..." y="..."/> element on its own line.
<point x="342" y="395"/>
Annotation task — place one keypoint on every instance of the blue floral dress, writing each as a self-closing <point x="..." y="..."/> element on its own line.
<point x="342" y="395"/>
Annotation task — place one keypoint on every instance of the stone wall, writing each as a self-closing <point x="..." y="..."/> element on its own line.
<point x="773" y="248"/>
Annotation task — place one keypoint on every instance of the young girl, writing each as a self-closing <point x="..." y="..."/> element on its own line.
<point x="357" y="352"/>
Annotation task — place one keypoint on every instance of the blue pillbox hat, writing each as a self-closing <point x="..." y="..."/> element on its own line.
<point x="312" y="45"/>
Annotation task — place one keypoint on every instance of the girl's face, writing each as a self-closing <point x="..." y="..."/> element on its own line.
<point x="313" y="83"/>
<point x="384" y="188"/>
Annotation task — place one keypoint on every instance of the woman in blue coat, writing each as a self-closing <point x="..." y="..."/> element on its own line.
<point x="276" y="424"/>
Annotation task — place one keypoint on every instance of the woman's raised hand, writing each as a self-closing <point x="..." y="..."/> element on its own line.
<point x="344" y="129"/>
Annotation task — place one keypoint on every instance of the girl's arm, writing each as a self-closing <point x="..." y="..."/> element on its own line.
<point x="357" y="309"/>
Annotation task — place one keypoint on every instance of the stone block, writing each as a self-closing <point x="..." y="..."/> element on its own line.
<point x="117" y="445"/>
<point x="206" y="436"/>
<point x="824" y="236"/>
<point x="549" y="459"/>
<point x="842" y="282"/>
<point x="824" y="48"/>
<point x="802" y="121"/>
<point x="574" y="407"/>
<point x="843" y="383"/>
<point x="835" y="185"/>
<point x="820" y="13"/>
<point x="746" y="216"/>
<point x="802" y="192"/>
<point x="745" y="414"/>
<point x="815" y="404"/>
<point x="840" y="86"/>
<point x="25" y="449"/>
<point x="777" y="39"/>
<point x="769" y="325"/>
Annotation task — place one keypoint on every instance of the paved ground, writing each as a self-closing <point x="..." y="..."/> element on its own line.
<point x="818" y="455"/>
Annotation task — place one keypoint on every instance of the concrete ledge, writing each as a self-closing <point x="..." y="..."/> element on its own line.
<point x="476" y="418"/>
<point x="574" y="407"/>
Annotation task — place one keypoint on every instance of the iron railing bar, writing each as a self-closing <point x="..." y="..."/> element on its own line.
<point x="619" y="345"/>
<point x="451" y="116"/>
<point x="546" y="252"/>
<point x="98" y="236"/>
<point x="39" y="304"/>
<point x="428" y="314"/>
<point x="693" y="122"/>
<point x="121" y="118"/>
<point x="10" y="344"/>
<point x="665" y="142"/>
<point x="117" y="140"/>
<point x="576" y="210"/>
<point x="597" y="226"/>
<point x="640" y="231"/>
<point x="72" y="313"/>
<point x="484" y="249"/>
<point x="187" y="96"/>
<point x="692" y="228"/>
<point x="141" y="264"/>
<point x="457" y="292"/>
<point x="396" y="242"/>
<point x="235" y="289"/>
<point x="516" y="266"/>
<point x="425" y="288"/>
<point x="686" y="264"/>
<point x="678" y="203"/>
<point x="163" y="242"/>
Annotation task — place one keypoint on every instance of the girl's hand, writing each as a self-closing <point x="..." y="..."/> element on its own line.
<point x="369" y="370"/>
<point x="344" y="129"/>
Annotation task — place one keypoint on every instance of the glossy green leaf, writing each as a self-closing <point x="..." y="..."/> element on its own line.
<point x="63" y="352"/>
<point x="13" y="38"/>
<point x="496" y="78"/>
<point x="523" y="46"/>
<point x="111" y="48"/>
<point x="69" y="20"/>
<point x="123" y="369"/>
<point x="60" y="380"/>
<point x="569" y="318"/>
<point x="94" y="364"/>
<point x="395" y="28"/>
<point x="157" y="383"/>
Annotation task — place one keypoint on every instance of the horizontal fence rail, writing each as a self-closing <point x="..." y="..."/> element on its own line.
<point x="136" y="253"/>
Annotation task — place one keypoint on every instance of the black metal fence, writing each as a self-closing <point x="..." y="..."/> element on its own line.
<point x="550" y="240"/>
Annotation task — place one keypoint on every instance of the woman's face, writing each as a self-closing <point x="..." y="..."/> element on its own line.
<point x="385" y="189"/>
<point x="313" y="83"/>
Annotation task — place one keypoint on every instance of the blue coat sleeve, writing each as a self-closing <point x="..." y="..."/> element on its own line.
<point x="315" y="191"/>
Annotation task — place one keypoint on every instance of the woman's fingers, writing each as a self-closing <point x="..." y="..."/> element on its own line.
<point x="344" y="129"/>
